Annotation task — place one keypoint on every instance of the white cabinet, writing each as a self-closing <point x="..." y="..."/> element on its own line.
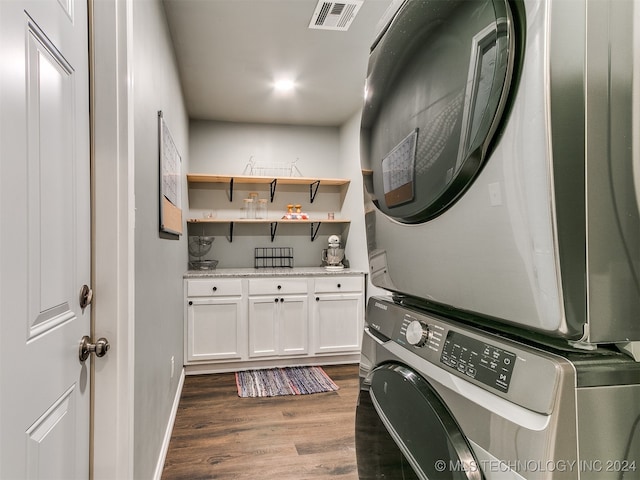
<point x="234" y="323"/>
<point x="278" y="317"/>
<point x="215" y="320"/>
<point x="338" y="314"/>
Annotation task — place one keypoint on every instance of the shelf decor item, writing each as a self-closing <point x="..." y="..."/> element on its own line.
<point x="199" y="246"/>
<point x="170" y="181"/>
<point x="297" y="215"/>
<point x="273" y="257"/>
<point x="261" y="209"/>
<point x="272" y="169"/>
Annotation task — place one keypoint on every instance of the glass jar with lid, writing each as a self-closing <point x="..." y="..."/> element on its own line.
<point x="249" y="208"/>
<point x="261" y="208"/>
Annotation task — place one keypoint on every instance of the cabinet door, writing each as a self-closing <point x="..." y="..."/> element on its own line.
<point x="293" y="318"/>
<point x="338" y="322"/>
<point x="263" y="326"/>
<point x="215" y="329"/>
<point x="278" y="326"/>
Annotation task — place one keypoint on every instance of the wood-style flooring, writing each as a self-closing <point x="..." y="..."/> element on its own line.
<point x="218" y="435"/>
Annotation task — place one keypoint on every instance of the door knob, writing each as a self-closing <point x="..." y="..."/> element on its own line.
<point x="100" y="348"/>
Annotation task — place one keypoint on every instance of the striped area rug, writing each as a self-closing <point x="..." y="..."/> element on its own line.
<point x="283" y="381"/>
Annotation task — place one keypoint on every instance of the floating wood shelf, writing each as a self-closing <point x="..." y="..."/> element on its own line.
<point x="314" y="223"/>
<point x="313" y="183"/>
<point x="208" y="178"/>
<point x="267" y="220"/>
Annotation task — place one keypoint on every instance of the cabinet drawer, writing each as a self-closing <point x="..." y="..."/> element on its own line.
<point x="221" y="287"/>
<point x="277" y="286"/>
<point x="338" y="284"/>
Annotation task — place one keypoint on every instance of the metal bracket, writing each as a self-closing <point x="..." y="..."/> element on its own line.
<point x="272" y="188"/>
<point x="314" y="233"/>
<point x="313" y="190"/>
<point x="231" y="189"/>
<point x="274" y="227"/>
<point x="230" y="237"/>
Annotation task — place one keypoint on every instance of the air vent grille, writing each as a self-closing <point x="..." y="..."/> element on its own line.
<point x="335" y="15"/>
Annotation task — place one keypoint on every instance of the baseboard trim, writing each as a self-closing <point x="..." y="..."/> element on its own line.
<point x="169" y="430"/>
<point x="225" y="367"/>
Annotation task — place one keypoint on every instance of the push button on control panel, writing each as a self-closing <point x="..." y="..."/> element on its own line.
<point x="486" y="363"/>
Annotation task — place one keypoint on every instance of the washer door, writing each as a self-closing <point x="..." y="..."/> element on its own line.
<point x="404" y="430"/>
<point x="438" y="82"/>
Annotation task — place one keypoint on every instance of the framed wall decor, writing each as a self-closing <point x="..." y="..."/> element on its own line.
<point x="170" y="181"/>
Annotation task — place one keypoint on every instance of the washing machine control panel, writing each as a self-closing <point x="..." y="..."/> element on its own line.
<point x="525" y="376"/>
<point x="486" y="363"/>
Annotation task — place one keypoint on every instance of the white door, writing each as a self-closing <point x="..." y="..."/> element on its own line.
<point x="44" y="239"/>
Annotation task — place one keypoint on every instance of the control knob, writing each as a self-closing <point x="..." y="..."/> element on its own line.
<point x="417" y="333"/>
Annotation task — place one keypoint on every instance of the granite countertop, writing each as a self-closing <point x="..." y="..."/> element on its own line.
<point x="270" y="272"/>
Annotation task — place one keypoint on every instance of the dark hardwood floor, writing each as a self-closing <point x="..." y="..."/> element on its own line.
<point x="218" y="435"/>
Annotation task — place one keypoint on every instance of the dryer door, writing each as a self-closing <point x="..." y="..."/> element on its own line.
<point x="438" y="82"/>
<point x="404" y="430"/>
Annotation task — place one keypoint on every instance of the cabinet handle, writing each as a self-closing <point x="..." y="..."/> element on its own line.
<point x="281" y="300"/>
<point x="215" y="289"/>
<point x="190" y="302"/>
<point x="276" y="300"/>
<point x="317" y="299"/>
<point x="339" y="285"/>
<point x="279" y="287"/>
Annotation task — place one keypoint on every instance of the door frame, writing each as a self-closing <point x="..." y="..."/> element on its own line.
<point x="113" y="275"/>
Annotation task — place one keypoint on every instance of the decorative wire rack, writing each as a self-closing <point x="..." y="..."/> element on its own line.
<point x="272" y="169"/>
<point x="273" y="257"/>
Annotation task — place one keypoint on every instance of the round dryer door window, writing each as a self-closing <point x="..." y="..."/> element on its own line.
<point x="421" y="426"/>
<point x="437" y="87"/>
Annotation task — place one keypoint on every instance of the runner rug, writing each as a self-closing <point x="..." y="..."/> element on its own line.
<point x="283" y="381"/>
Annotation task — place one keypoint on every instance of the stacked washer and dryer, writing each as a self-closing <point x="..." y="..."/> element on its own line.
<point x="501" y="159"/>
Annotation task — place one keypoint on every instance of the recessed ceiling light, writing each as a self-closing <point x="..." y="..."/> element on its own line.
<point x="284" y="85"/>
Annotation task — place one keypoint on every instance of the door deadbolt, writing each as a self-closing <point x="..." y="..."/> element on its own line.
<point x="86" y="296"/>
<point x="100" y="348"/>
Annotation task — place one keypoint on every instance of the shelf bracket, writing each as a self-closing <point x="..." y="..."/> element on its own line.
<point x="313" y="190"/>
<point x="314" y="232"/>
<point x="274" y="227"/>
<point x="272" y="188"/>
<point x="231" y="189"/>
<point x="230" y="237"/>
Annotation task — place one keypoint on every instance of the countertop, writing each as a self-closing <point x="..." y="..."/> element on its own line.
<point x="271" y="272"/>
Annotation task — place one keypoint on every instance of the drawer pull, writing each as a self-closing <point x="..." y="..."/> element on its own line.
<point x="190" y="303"/>
<point x="317" y="299"/>
<point x="215" y="289"/>
<point x="281" y="300"/>
<point x="339" y="285"/>
<point x="279" y="287"/>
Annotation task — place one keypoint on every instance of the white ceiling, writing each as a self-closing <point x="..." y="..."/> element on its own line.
<point x="229" y="53"/>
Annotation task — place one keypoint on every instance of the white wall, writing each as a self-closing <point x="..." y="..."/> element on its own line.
<point x="356" y="250"/>
<point x="159" y="261"/>
<point x="225" y="148"/>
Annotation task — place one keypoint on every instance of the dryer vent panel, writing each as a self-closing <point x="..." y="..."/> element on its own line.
<point x="334" y="15"/>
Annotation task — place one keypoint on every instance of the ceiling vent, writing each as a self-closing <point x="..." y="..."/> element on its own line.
<point x="335" y="15"/>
